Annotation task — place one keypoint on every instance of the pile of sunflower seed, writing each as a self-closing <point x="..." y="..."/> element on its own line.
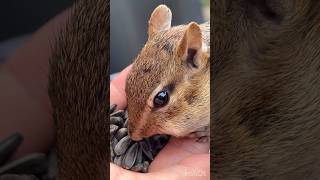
<point x="35" y="166"/>
<point x="129" y="154"/>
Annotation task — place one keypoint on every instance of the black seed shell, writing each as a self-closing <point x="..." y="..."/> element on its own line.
<point x="145" y="147"/>
<point x="132" y="155"/>
<point x="122" y="146"/>
<point x="121" y="133"/>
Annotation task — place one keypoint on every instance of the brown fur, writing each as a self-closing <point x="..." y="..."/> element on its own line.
<point x="79" y="92"/>
<point x="265" y="95"/>
<point x="162" y="63"/>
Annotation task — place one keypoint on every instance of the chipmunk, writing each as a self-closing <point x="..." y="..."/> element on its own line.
<point x="168" y="86"/>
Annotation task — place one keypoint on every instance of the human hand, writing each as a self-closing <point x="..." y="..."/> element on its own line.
<point x="181" y="158"/>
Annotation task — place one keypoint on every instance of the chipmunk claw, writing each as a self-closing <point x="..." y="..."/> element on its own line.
<point x="202" y="135"/>
<point x="203" y="139"/>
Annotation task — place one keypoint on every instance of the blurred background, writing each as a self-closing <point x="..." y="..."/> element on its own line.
<point x="129" y="23"/>
<point x="19" y="19"/>
<point x="128" y="26"/>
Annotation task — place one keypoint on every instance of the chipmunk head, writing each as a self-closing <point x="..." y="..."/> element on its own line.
<point x="168" y="86"/>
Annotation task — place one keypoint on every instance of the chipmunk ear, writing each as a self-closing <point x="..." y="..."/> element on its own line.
<point x="190" y="45"/>
<point x="160" y="20"/>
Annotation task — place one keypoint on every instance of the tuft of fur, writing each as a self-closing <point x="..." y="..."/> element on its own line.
<point x="79" y="92"/>
<point x="265" y="95"/>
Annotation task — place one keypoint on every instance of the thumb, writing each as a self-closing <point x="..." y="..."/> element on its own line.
<point x="117" y="89"/>
<point x="196" y="167"/>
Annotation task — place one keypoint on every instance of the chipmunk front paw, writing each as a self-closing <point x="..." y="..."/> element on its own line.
<point x="202" y="135"/>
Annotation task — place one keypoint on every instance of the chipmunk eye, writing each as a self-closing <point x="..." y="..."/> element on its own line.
<point x="161" y="99"/>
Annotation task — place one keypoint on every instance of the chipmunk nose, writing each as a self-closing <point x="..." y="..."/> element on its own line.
<point x="134" y="134"/>
<point x="136" y="138"/>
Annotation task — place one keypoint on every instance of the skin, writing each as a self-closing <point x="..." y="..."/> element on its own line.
<point x="179" y="156"/>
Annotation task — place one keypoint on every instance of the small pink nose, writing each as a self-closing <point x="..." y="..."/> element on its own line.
<point x="134" y="135"/>
<point x="136" y="138"/>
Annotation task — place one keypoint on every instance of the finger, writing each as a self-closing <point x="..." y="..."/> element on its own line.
<point x="199" y="160"/>
<point x="117" y="97"/>
<point x="196" y="167"/>
<point x="117" y="89"/>
<point x="120" y="79"/>
<point x="176" y="150"/>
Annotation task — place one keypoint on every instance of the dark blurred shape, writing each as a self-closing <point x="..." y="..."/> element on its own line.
<point x="129" y="22"/>
<point x="29" y="167"/>
<point x="7" y="47"/>
<point x="23" y="17"/>
<point x="19" y="19"/>
<point x="18" y="177"/>
<point x="8" y="146"/>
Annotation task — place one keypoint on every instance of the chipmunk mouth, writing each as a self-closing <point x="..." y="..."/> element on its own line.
<point x="201" y="132"/>
<point x="136" y="138"/>
<point x="146" y="133"/>
<point x="138" y="135"/>
<point x="135" y="135"/>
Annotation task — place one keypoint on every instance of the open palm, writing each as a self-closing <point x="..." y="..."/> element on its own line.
<point x="181" y="158"/>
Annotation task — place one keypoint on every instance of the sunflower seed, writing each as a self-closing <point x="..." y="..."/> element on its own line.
<point x="164" y="139"/>
<point x="157" y="142"/>
<point x="114" y="142"/>
<point x="141" y="167"/>
<point x="8" y="146"/>
<point x="119" y="113"/>
<point x="125" y="124"/>
<point x="17" y="177"/>
<point x="137" y="167"/>
<point x="139" y="158"/>
<point x="112" y="108"/>
<point x="122" y="145"/>
<point x="111" y="153"/>
<point x="130" y="156"/>
<point x="118" y="160"/>
<point x="155" y="145"/>
<point x="145" y="166"/>
<point x="117" y="121"/>
<point x="145" y="147"/>
<point x="160" y="138"/>
<point x="31" y="164"/>
<point x="113" y="128"/>
<point x="125" y="115"/>
<point x="121" y="133"/>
